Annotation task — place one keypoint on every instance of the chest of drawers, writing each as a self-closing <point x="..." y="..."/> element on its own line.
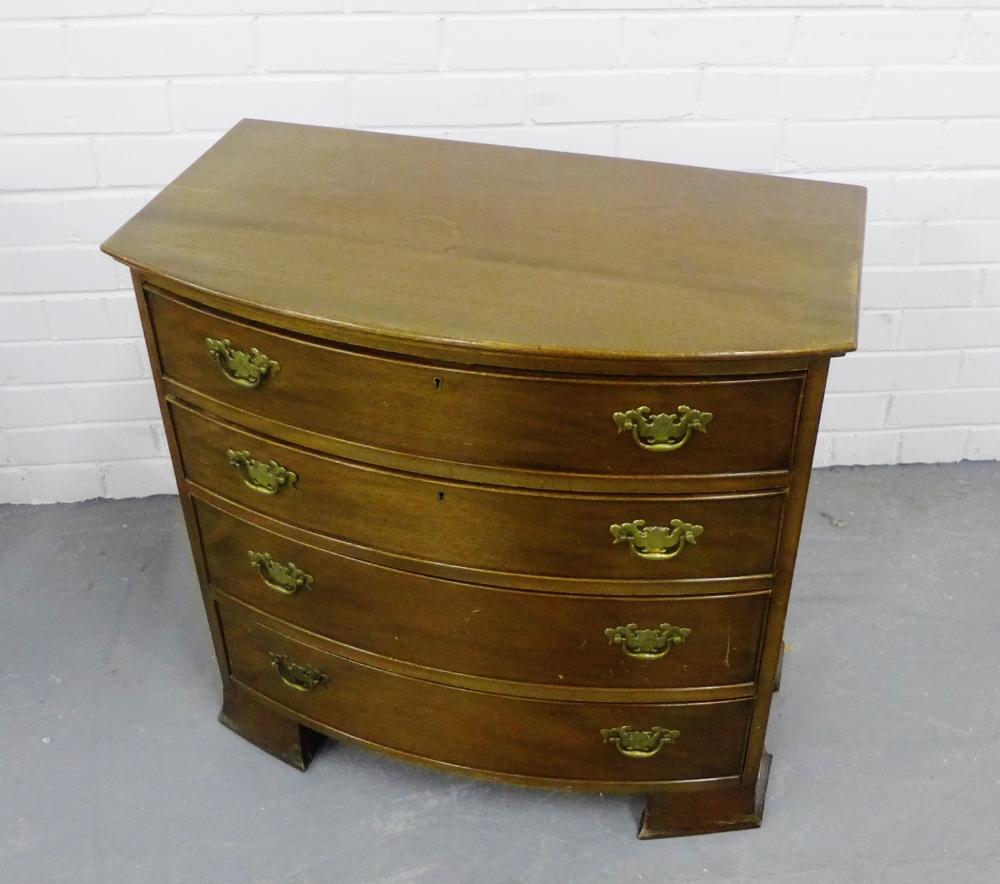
<point x="495" y="460"/>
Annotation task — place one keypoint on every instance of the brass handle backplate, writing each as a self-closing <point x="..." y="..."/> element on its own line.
<point x="661" y="432"/>
<point x="654" y="542"/>
<point x="245" y="369"/>
<point x="286" y="579"/>
<point x="639" y="744"/>
<point x="267" y="478"/>
<point x="647" y="644"/>
<point x="295" y="675"/>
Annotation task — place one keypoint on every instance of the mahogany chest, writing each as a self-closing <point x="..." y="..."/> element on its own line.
<point x="495" y="459"/>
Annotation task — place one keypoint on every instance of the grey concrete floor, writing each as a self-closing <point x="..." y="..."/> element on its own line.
<point x="886" y="732"/>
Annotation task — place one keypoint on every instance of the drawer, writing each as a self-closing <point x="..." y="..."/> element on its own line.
<point x="548" y="423"/>
<point x="484" y="527"/>
<point x="544" y="638"/>
<point x="484" y="731"/>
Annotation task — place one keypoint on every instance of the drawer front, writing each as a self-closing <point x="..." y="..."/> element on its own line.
<point x="484" y="731"/>
<point x="481" y="526"/>
<point x="542" y="423"/>
<point x="544" y="638"/>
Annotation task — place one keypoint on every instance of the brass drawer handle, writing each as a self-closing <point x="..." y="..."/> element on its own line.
<point x="286" y="579"/>
<point x="647" y="644"/>
<point x="245" y="369"/>
<point x="267" y="478"/>
<point x="633" y="743"/>
<point x="653" y="542"/>
<point x="295" y="675"/>
<point x="662" y="432"/>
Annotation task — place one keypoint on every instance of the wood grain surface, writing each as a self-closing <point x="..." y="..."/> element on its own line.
<point x="483" y="526"/>
<point x="548" y="638"/>
<point x="487" y="732"/>
<point x="541" y="422"/>
<point x="405" y="242"/>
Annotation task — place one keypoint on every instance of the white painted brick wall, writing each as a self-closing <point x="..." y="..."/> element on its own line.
<point x="624" y="95"/>
<point x="104" y="102"/>
<point x="454" y="99"/>
<point x="349" y="43"/>
<point x="873" y="37"/>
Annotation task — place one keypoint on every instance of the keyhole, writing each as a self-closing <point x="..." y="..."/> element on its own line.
<point x="441" y="496"/>
<point x="437" y="383"/>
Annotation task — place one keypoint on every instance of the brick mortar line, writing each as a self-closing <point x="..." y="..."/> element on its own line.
<point x="74" y="341"/>
<point x="292" y="74"/>
<point x="73" y="385"/>
<point x="34" y="297"/>
<point x="80" y="195"/>
<point x="885" y="431"/>
<point x="159" y="458"/>
<point x="116" y="423"/>
<point x="825" y="9"/>
<point x="944" y="391"/>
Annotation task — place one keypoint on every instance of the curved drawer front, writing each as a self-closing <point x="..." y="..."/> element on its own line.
<point x="495" y="633"/>
<point x="490" y="732"/>
<point x="480" y="526"/>
<point x="541" y="423"/>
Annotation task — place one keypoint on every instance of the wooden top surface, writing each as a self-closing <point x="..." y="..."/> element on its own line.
<point x="413" y="241"/>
